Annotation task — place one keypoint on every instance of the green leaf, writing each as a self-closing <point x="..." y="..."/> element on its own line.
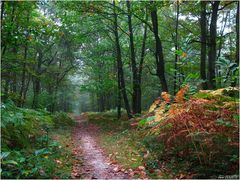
<point x="4" y="154"/>
<point x="42" y="151"/>
<point x="10" y="162"/>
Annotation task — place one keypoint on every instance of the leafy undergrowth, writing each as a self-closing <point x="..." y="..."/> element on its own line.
<point x="181" y="137"/>
<point x="33" y="144"/>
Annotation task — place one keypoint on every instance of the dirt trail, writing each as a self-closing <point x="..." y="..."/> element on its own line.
<point x="91" y="163"/>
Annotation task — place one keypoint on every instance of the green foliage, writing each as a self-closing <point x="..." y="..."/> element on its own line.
<point x="21" y="126"/>
<point x="229" y="71"/>
<point x="61" y="119"/>
<point x="145" y="121"/>
<point x="27" y="149"/>
<point x="39" y="163"/>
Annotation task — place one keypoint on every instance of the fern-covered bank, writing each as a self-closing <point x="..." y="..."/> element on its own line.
<point x="187" y="136"/>
<point x="35" y="143"/>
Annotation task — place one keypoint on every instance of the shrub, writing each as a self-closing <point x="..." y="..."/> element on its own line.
<point x="27" y="151"/>
<point x="61" y="119"/>
<point x="200" y="132"/>
<point x="21" y="126"/>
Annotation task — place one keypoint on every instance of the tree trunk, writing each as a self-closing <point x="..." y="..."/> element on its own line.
<point x="141" y="64"/>
<point x="26" y="89"/>
<point x="212" y="53"/>
<point x="234" y="83"/>
<point x="6" y="89"/>
<point x="36" y="92"/>
<point x="2" y="10"/>
<point x="135" y="82"/>
<point x="237" y="35"/>
<point x="119" y="98"/>
<point x="24" y="67"/>
<point x="176" y="49"/>
<point x="203" y="24"/>
<point x="159" y="51"/>
<point x="14" y="74"/>
<point x="23" y="76"/>
<point x="36" y="82"/>
<point x="120" y="64"/>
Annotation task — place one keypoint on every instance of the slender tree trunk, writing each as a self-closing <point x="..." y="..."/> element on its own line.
<point x="24" y="68"/>
<point x="23" y="75"/>
<point x="176" y="49"/>
<point x="2" y="10"/>
<point x="141" y="64"/>
<point x="6" y="89"/>
<point x="237" y="35"/>
<point x="26" y="89"/>
<point x="212" y="53"/>
<point x="120" y="64"/>
<point x="159" y="51"/>
<point x="14" y="74"/>
<point x="237" y="43"/>
<point x="203" y="24"/>
<point x="135" y="82"/>
<point x="36" y="92"/>
<point x="119" y="99"/>
<point x="4" y="45"/>
<point x="37" y="83"/>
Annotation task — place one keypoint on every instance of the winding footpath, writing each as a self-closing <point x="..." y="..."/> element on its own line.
<point x="90" y="160"/>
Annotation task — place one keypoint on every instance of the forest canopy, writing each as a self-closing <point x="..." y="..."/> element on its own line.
<point x="115" y="54"/>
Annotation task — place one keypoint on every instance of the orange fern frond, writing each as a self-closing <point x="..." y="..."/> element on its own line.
<point x="166" y="97"/>
<point x="180" y="94"/>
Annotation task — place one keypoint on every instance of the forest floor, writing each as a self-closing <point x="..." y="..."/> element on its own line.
<point x="91" y="162"/>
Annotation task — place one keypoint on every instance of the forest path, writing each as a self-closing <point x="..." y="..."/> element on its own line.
<point x="91" y="163"/>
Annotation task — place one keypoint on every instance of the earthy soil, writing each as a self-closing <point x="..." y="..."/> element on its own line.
<point x="91" y="162"/>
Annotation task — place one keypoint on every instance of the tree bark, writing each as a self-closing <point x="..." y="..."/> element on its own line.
<point x="119" y="96"/>
<point x="24" y="68"/>
<point x="203" y="39"/>
<point x="176" y="49"/>
<point x="212" y="53"/>
<point x="135" y="82"/>
<point x="23" y="76"/>
<point x="2" y="10"/>
<point x="120" y="64"/>
<point x="141" y="63"/>
<point x="36" y="92"/>
<point x="237" y="35"/>
<point x="14" y="74"/>
<point x="26" y="89"/>
<point x="237" y="44"/>
<point x="36" y="82"/>
<point x="159" y="51"/>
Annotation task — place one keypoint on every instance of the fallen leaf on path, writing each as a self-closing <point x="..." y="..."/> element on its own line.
<point x="122" y="170"/>
<point x="114" y="162"/>
<point x="141" y="168"/>
<point x="115" y="169"/>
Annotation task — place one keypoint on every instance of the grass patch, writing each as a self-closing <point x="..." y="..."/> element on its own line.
<point x="65" y="158"/>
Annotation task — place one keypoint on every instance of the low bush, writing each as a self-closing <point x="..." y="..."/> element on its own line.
<point x="200" y="134"/>
<point x="27" y="150"/>
<point x="20" y="127"/>
<point x="61" y="119"/>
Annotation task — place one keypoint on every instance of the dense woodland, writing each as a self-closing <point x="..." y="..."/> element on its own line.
<point x="123" y="54"/>
<point x="117" y="56"/>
